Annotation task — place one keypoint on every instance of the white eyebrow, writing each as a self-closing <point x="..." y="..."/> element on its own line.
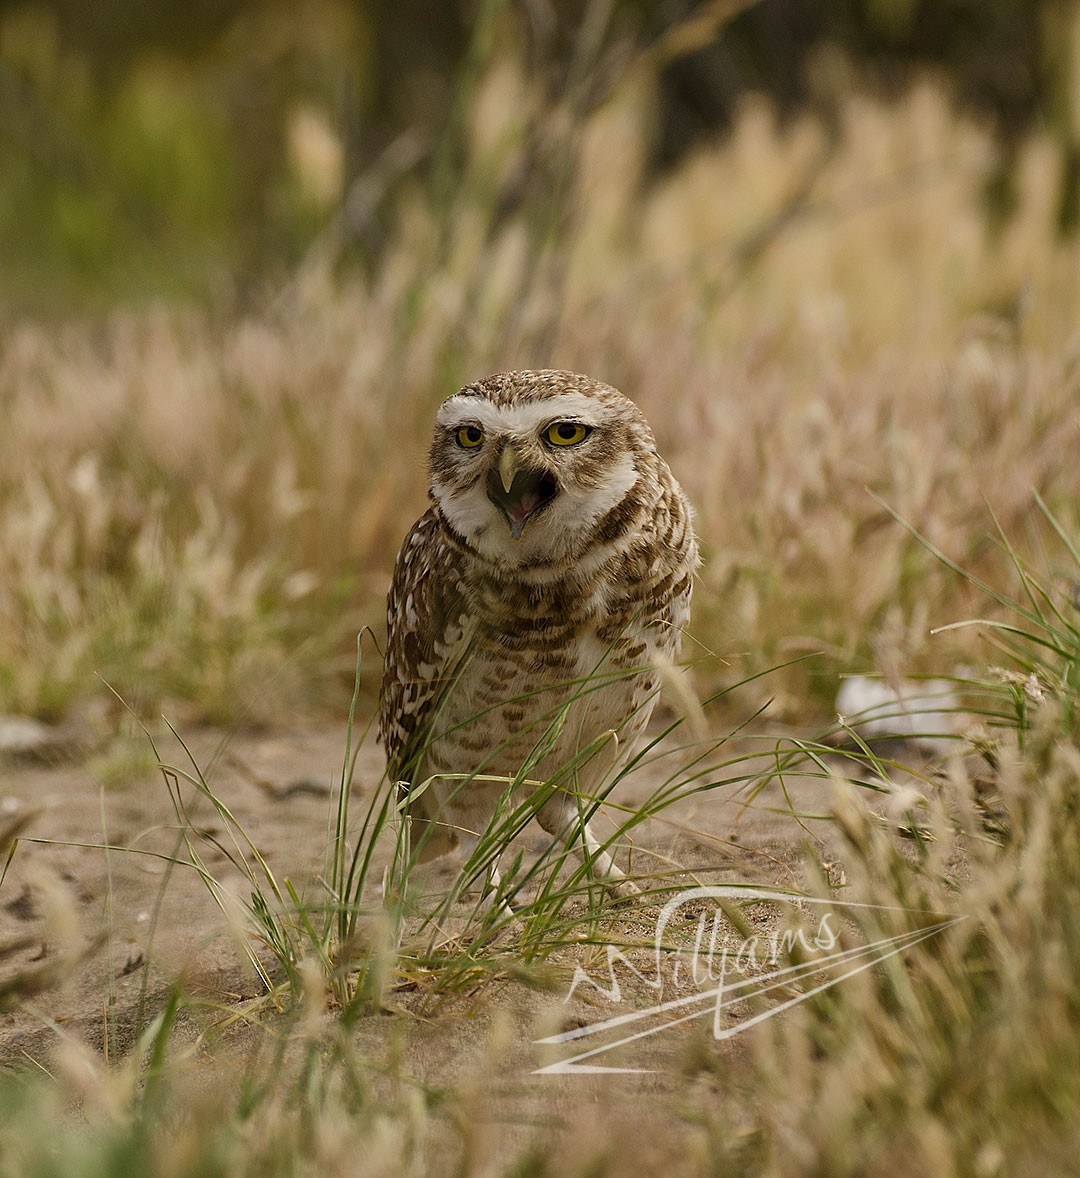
<point x="523" y="418"/>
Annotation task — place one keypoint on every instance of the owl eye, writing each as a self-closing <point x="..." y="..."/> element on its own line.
<point x="469" y="437"/>
<point x="566" y="433"/>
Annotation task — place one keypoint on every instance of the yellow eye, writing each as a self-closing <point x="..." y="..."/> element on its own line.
<point x="469" y="437"/>
<point x="566" y="433"/>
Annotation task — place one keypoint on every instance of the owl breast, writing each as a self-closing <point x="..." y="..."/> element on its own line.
<point x="560" y="673"/>
<point x="544" y="681"/>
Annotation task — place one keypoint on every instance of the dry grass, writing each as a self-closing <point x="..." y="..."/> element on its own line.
<point x="206" y="511"/>
<point x="819" y="330"/>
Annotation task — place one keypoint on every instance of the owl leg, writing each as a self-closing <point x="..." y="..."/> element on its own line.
<point x="564" y="822"/>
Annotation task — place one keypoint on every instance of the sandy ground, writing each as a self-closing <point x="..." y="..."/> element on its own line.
<point x="143" y="924"/>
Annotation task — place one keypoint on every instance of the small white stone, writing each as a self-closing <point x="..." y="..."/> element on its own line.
<point x="926" y="711"/>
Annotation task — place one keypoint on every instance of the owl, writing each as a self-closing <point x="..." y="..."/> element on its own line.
<point x="532" y="609"/>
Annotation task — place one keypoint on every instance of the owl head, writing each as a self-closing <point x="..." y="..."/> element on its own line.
<point x="528" y="466"/>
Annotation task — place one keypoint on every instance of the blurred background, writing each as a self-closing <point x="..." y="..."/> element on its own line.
<point x="246" y="247"/>
<point x="199" y="151"/>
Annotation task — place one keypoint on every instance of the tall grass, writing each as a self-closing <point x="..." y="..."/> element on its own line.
<point x="369" y="924"/>
<point x="968" y="1061"/>
<point x="235" y="490"/>
<point x="961" y="1058"/>
<point x="205" y="512"/>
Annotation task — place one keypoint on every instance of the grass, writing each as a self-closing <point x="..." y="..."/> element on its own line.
<point x="963" y="1059"/>
<point x="827" y="342"/>
<point x="234" y="489"/>
<point x="367" y="886"/>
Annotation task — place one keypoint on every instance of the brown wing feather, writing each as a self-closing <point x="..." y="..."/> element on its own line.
<point x="427" y="627"/>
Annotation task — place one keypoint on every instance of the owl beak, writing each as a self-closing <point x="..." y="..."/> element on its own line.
<point x="517" y="491"/>
<point x="509" y="465"/>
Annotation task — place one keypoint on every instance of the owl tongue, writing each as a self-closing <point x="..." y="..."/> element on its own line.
<point x="529" y="492"/>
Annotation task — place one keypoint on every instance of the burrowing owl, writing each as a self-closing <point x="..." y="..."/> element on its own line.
<point x="532" y="606"/>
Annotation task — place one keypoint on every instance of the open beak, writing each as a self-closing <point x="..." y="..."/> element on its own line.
<point x="517" y="491"/>
<point x="509" y="464"/>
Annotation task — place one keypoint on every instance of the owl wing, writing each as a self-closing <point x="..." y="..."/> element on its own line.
<point x="428" y="634"/>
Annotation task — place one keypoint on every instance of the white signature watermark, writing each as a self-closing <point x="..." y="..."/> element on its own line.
<point x="726" y="974"/>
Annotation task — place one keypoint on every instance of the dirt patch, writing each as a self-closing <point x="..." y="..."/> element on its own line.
<point x="132" y="923"/>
